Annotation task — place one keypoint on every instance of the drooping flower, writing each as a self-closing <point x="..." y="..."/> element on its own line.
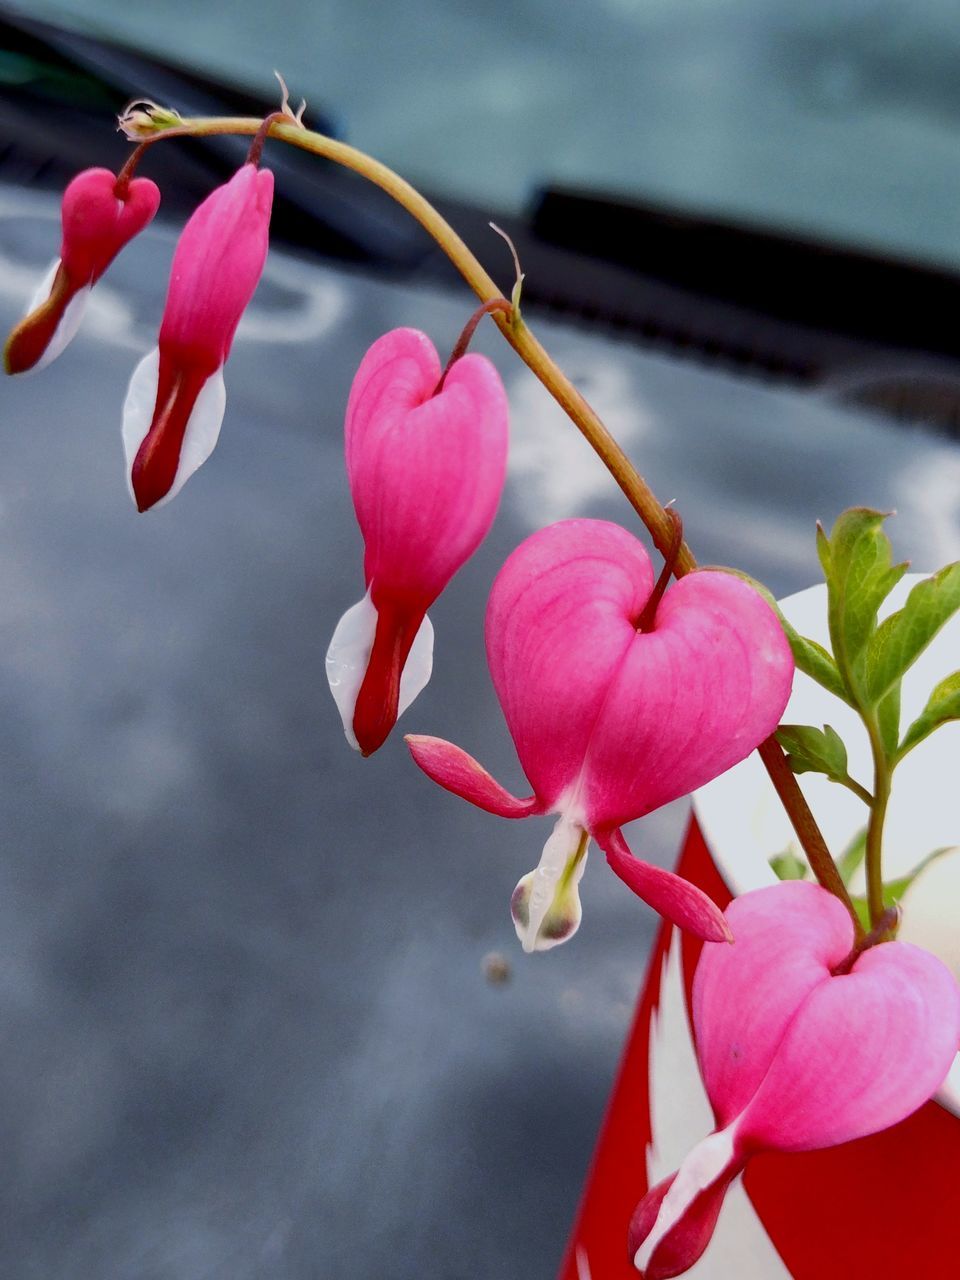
<point x="609" y="720"/>
<point x="100" y="213"/>
<point x="426" y="469"/>
<point x="176" y="398"/>
<point x="794" y="1055"/>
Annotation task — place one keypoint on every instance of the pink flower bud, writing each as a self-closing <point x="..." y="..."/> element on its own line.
<point x="610" y="721"/>
<point x="795" y="1057"/>
<point x="426" y="470"/>
<point x="176" y="398"/>
<point x="100" y="214"/>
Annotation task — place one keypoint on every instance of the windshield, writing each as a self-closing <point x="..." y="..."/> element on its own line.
<point x="836" y="118"/>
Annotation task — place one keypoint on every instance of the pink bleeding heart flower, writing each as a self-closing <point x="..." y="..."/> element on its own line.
<point x="795" y="1055"/>
<point x="176" y="398"/>
<point x="426" y="466"/>
<point x="611" y="721"/>
<point x="100" y="214"/>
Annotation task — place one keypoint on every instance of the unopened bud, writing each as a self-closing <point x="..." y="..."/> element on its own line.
<point x="142" y="119"/>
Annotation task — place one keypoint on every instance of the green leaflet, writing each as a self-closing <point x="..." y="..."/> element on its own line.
<point x="942" y="705"/>
<point x="852" y="856"/>
<point x="901" y="638"/>
<point x="856" y="561"/>
<point x="788" y="866"/>
<point x="811" y="750"/>
<point x="893" y="890"/>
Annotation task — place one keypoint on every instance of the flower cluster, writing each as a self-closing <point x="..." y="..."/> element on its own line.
<point x="621" y="692"/>
<point x="176" y="398"/>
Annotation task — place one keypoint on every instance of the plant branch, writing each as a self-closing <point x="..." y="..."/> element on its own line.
<point x="857" y="788"/>
<point x="873" y="861"/>
<point x="634" y="487"/>
<point x="804" y="824"/>
<point x="654" y="516"/>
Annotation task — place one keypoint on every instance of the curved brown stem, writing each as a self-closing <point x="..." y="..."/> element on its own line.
<point x="636" y="490"/>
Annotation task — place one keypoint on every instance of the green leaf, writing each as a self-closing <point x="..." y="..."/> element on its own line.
<point x="894" y="890"/>
<point x="788" y="866"/>
<point x="811" y="750"/>
<point x="901" y="638"/>
<point x="852" y="856"/>
<point x="888" y="720"/>
<point x="942" y="706"/>
<point x="811" y="658"/>
<point x="856" y="560"/>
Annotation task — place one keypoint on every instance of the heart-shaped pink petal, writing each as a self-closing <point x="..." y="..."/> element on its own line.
<point x="864" y="1051"/>
<point x="559" y="623"/>
<point x="787" y="939"/>
<point x="216" y="268"/>
<point x="426" y="470"/>
<point x="97" y="223"/>
<point x="691" y="698"/>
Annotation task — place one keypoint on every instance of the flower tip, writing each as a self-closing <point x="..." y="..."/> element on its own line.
<point x="558" y="924"/>
<point x="372" y="723"/>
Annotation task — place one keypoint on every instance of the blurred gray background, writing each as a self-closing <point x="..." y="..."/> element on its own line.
<point x="246" y="1030"/>
<point x="837" y="117"/>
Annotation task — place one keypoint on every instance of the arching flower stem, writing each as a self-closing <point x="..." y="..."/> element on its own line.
<point x="656" y="518"/>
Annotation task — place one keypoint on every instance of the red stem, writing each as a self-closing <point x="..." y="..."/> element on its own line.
<point x="495" y="304"/>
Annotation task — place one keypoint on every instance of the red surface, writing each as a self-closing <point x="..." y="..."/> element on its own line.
<point x="888" y="1205"/>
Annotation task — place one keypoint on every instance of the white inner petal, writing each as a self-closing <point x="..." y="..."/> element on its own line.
<point x="703" y="1165"/>
<point x="203" y="425"/>
<point x="349" y="653"/>
<point x="69" y="321"/>
<point x="561" y="845"/>
<point x="42" y="292"/>
<point x="418" y="668"/>
<point x="138" y="408"/>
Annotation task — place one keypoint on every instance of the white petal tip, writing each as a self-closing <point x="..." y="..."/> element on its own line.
<point x="202" y="429"/>
<point x="70" y="321"/>
<point x="545" y="905"/>
<point x="349" y="653"/>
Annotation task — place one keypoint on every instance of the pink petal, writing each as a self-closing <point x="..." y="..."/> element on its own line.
<point x="97" y="222"/>
<point x="216" y="268"/>
<point x="559" y="621"/>
<point x="787" y="938"/>
<point x="426" y="471"/>
<point x="458" y="772"/>
<point x="863" y="1052"/>
<point x="690" y="699"/>
<point x="680" y="1247"/>
<point x="673" y="897"/>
